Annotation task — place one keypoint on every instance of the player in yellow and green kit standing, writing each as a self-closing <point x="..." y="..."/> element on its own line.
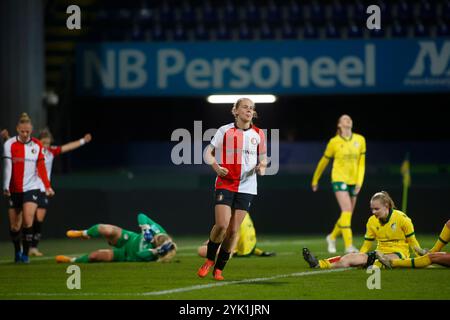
<point x="152" y="244"/>
<point x="349" y="152"/>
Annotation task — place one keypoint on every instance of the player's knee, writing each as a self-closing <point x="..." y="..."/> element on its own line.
<point x="448" y="224"/>
<point x="94" y="256"/>
<point x="202" y="251"/>
<point x="221" y="228"/>
<point x="106" y="230"/>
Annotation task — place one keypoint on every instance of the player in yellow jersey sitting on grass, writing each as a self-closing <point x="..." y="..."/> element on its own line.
<point x="429" y="257"/>
<point x="246" y="244"/>
<point x="392" y="229"/>
<point x="349" y="152"/>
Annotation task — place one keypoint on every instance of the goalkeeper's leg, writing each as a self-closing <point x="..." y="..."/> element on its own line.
<point x="103" y="255"/>
<point x="110" y="232"/>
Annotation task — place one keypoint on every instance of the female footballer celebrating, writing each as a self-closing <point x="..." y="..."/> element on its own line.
<point x="24" y="168"/>
<point x="50" y="152"/>
<point x="348" y="150"/>
<point x="241" y="148"/>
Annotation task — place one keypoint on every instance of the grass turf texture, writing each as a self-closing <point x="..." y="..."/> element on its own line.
<point x="284" y="277"/>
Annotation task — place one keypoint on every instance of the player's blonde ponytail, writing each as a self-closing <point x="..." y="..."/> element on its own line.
<point x="384" y="198"/>
<point x="24" y="118"/>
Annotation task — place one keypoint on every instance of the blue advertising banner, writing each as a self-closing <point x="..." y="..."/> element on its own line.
<point x="287" y="67"/>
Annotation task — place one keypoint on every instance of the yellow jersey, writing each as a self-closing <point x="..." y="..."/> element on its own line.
<point x="349" y="160"/>
<point x="394" y="235"/>
<point x="247" y="237"/>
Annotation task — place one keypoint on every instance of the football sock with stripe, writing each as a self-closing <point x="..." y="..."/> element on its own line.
<point x="37" y="227"/>
<point x="83" y="259"/>
<point x="222" y="259"/>
<point x="212" y="248"/>
<point x="345" y="222"/>
<point x="336" y="231"/>
<point x="419" y="262"/>
<point x="15" y="238"/>
<point x="443" y="239"/>
<point x="27" y="237"/>
<point x="93" y="231"/>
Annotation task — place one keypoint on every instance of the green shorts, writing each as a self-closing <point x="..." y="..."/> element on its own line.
<point x="342" y="186"/>
<point x="120" y="249"/>
<point x="119" y="255"/>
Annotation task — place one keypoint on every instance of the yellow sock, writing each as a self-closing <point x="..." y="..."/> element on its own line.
<point x="257" y="252"/>
<point x="346" y="229"/>
<point x="336" y="231"/>
<point x="444" y="238"/>
<point x="420" y="262"/>
<point x="324" y="264"/>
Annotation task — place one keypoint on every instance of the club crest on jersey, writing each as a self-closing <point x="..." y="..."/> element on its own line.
<point x="253" y="141"/>
<point x="356" y="144"/>
<point x="393" y="226"/>
<point x="33" y="151"/>
<point x="220" y="197"/>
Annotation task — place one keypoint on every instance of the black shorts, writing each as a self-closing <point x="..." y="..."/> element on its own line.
<point x="235" y="200"/>
<point x="17" y="199"/>
<point x="42" y="201"/>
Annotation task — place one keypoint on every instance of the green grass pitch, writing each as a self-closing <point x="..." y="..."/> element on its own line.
<point x="283" y="277"/>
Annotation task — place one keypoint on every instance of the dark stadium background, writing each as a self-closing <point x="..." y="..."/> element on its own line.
<point x="123" y="170"/>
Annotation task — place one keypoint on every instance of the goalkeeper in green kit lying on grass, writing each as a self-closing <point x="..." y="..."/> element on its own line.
<point x="152" y="244"/>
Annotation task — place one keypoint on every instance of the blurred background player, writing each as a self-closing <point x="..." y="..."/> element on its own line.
<point x="50" y="152"/>
<point x="152" y="244"/>
<point x="429" y="257"/>
<point x="393" y="230"/>
<point x="349" y="152"/>
<point x="246" y="244"/>
<point x="244" y="156"/>
<point x="24" y="168"/>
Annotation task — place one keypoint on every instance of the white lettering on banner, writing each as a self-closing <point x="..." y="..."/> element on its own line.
<point x="266" y="72"/>
<point x="93" y="64"/>
<point x="126" y="68"/>
<point x="438" y="61"/>
<point x="130" y="62"/>
<point x="164" y="70"/>
<point x="130" y="71"/>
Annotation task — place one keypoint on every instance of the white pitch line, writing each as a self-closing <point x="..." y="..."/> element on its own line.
<point x="185" y="289"/>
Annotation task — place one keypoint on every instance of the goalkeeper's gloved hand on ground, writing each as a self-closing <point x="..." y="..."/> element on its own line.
<point x="165" y="248"/>
<point x="148" y="234"/>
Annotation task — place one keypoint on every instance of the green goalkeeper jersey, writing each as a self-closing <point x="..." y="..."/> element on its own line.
<point x="132" y="246"/>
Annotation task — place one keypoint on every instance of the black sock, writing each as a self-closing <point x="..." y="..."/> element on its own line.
<point x="37" y="227"/>
<point x="212" y="250"/>
<point x="15" y="238"/>
<point x="27" y="237"/>
<point x="222" y="259"/>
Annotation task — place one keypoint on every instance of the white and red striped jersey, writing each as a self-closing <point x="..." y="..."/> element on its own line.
<point x="238" y="151"/>
<point x="49" y="155"/>
<point x="24" y="165"/>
